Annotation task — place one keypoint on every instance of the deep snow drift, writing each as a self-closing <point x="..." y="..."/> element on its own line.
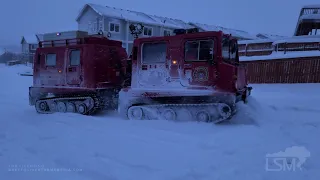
<point x="70" y="146"/>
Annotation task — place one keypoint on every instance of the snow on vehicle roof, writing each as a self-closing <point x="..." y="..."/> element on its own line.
<point x="141" y="17"/>
<point x="233" y="32"/>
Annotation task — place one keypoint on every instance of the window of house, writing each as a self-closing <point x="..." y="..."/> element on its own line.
<point x="166" y="32"/>
<point x="201" y="50"/>
<point x="147" y="31"/>
<point x="154" y="52"/>
<point x="51" y="59"/>
<point x="113" y="27"/>
<point x="75" y="57"/>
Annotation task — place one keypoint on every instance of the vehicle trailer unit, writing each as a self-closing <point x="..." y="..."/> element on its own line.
<point x="81" y="75"/>
<point x="189" y="76"/>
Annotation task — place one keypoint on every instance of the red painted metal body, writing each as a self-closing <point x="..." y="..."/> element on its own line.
<point x="97" y="69"/>
<point x="80" y="72"/>
<point x="221" y="73"/>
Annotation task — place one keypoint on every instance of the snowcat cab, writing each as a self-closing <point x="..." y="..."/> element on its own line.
<point x="191" y="75"/>
<point x="75" y="72"/>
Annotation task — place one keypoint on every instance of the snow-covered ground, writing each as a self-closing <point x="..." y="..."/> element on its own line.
<point x="71" y="146"/>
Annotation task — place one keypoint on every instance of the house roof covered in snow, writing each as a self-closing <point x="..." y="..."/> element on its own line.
<point x="135" y="16"/>
<point x="141" y="17"/>
<point x="233" y="32"/>
<point x="270" y="36"/>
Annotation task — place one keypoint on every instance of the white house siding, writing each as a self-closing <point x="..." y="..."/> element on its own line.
<point x="116" y="35"/>
<point x="90" y="21"/>
<point x="155" y="31"/>
<point x="25" y="47"/>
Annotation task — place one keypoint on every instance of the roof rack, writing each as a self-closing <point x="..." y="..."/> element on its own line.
<point x="66" y="38"/>
<point x="186" y="31"/>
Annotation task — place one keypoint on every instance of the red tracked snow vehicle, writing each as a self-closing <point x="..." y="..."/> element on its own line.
<point x="194" y="74"/>
<point x="82" y="74"/>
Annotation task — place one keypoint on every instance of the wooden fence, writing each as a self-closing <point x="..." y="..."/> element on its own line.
<point x="301" y="70"/>
<point x="284" y="70"/>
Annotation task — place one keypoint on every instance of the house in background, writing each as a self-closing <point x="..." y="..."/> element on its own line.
<point x="115" y="22"/>
<point x="29" y="44"/>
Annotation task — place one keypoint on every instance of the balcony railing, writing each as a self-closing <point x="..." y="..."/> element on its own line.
<point x="260" y="49"/>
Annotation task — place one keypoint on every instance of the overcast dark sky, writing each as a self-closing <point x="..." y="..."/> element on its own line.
<point x="19" y="17"/>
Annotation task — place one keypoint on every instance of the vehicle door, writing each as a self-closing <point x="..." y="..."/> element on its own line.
<point x="199" y="62"/>
<point x="228" y="66"/>
<point x="73" y="65"/>
<point x="152" y="70"/>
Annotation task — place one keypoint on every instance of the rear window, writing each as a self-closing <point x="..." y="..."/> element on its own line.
<point x="51" y="59"/>
<point x="74" y="57"/>
<point x="154" y="52"/>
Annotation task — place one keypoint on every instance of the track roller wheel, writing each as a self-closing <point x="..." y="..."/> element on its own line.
<point x="82" y="108"/>
<point x="71" y="107"/>
<point x="53" y="106"/>
<point x="203" y="116"/>
<point x="135" y="113"/>
<point x="225" y="111"/>
<point x="41" y="106"/>
<point x="61" y="107"/>
<point x="169" y="114"/>
<point x="184" y="115"/>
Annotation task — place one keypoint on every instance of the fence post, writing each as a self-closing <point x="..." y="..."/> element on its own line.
<point x="285" y="48"/>
<point x="245" y="51"/>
